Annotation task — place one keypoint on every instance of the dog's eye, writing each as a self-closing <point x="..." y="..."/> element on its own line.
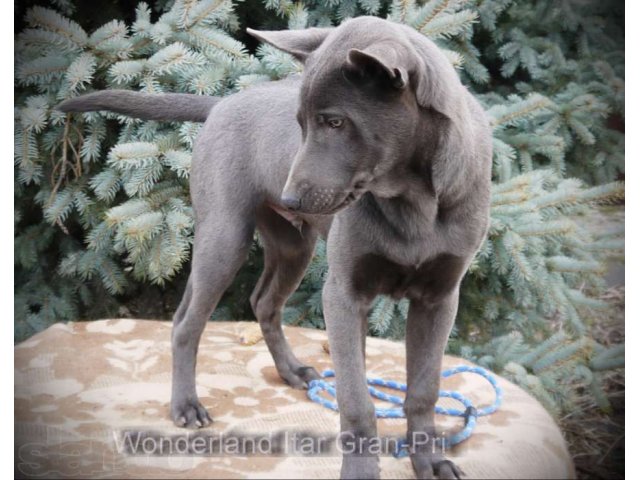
<point x="335" y="122"/>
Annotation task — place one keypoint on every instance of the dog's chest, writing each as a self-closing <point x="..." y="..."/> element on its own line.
<point x="376" y="275"/>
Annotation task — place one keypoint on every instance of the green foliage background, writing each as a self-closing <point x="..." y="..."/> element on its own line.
<point x="103" y="225"/>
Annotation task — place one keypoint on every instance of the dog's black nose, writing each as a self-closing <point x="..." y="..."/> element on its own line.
<point x="291" y="202"/>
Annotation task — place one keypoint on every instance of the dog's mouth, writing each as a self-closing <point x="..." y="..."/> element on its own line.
<point x="359" y="189"/>
<point x="348" y="200"/>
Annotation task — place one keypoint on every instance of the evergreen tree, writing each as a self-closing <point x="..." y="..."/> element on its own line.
<point x="102" y="204"/>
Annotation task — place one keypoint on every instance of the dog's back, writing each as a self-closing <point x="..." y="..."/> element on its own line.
<point x="250" y="136"/>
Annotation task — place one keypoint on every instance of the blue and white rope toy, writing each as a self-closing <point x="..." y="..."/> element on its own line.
<point x="470" y="413"/>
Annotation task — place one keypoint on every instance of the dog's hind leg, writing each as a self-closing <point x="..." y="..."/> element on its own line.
<point x="287" y="252"/>
<point x="220" y="247"/>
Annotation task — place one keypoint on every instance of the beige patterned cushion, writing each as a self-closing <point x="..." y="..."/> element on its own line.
<point x="78" y="385"/>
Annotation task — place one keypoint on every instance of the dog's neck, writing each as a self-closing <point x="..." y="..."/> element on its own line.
<point x="405" y="198"/>
<point x="408" y="213"/>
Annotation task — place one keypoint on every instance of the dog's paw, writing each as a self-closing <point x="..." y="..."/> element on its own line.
<point x="429" y="466"/>
<point x="300" y="377"/>
<point x="190" y="414"/>
<point x="356" y="466"/>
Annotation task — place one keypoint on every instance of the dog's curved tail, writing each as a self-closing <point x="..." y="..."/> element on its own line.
<point x="180" y="107"/>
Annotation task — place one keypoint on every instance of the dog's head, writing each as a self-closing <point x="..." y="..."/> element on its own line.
<point x="365" y="87"/>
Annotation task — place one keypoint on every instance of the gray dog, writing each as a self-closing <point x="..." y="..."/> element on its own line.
<point x="379" y="123"/>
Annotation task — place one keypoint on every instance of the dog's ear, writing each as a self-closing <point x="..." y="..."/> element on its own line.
<point x="299" y="43"/>
<point x="438" y="87"/>
<point x="378" y="62"/>
<point x="436" y="82"/>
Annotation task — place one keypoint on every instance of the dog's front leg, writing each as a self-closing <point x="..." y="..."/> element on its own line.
<point x="346" y="319"/>
<point x="428" y="328"/>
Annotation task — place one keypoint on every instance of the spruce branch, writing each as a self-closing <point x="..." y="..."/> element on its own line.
<point x="428" y="12"/>
<point x="52" y="21"/>
<point x="503" y="116"/>
<point x="445" y="26"/>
